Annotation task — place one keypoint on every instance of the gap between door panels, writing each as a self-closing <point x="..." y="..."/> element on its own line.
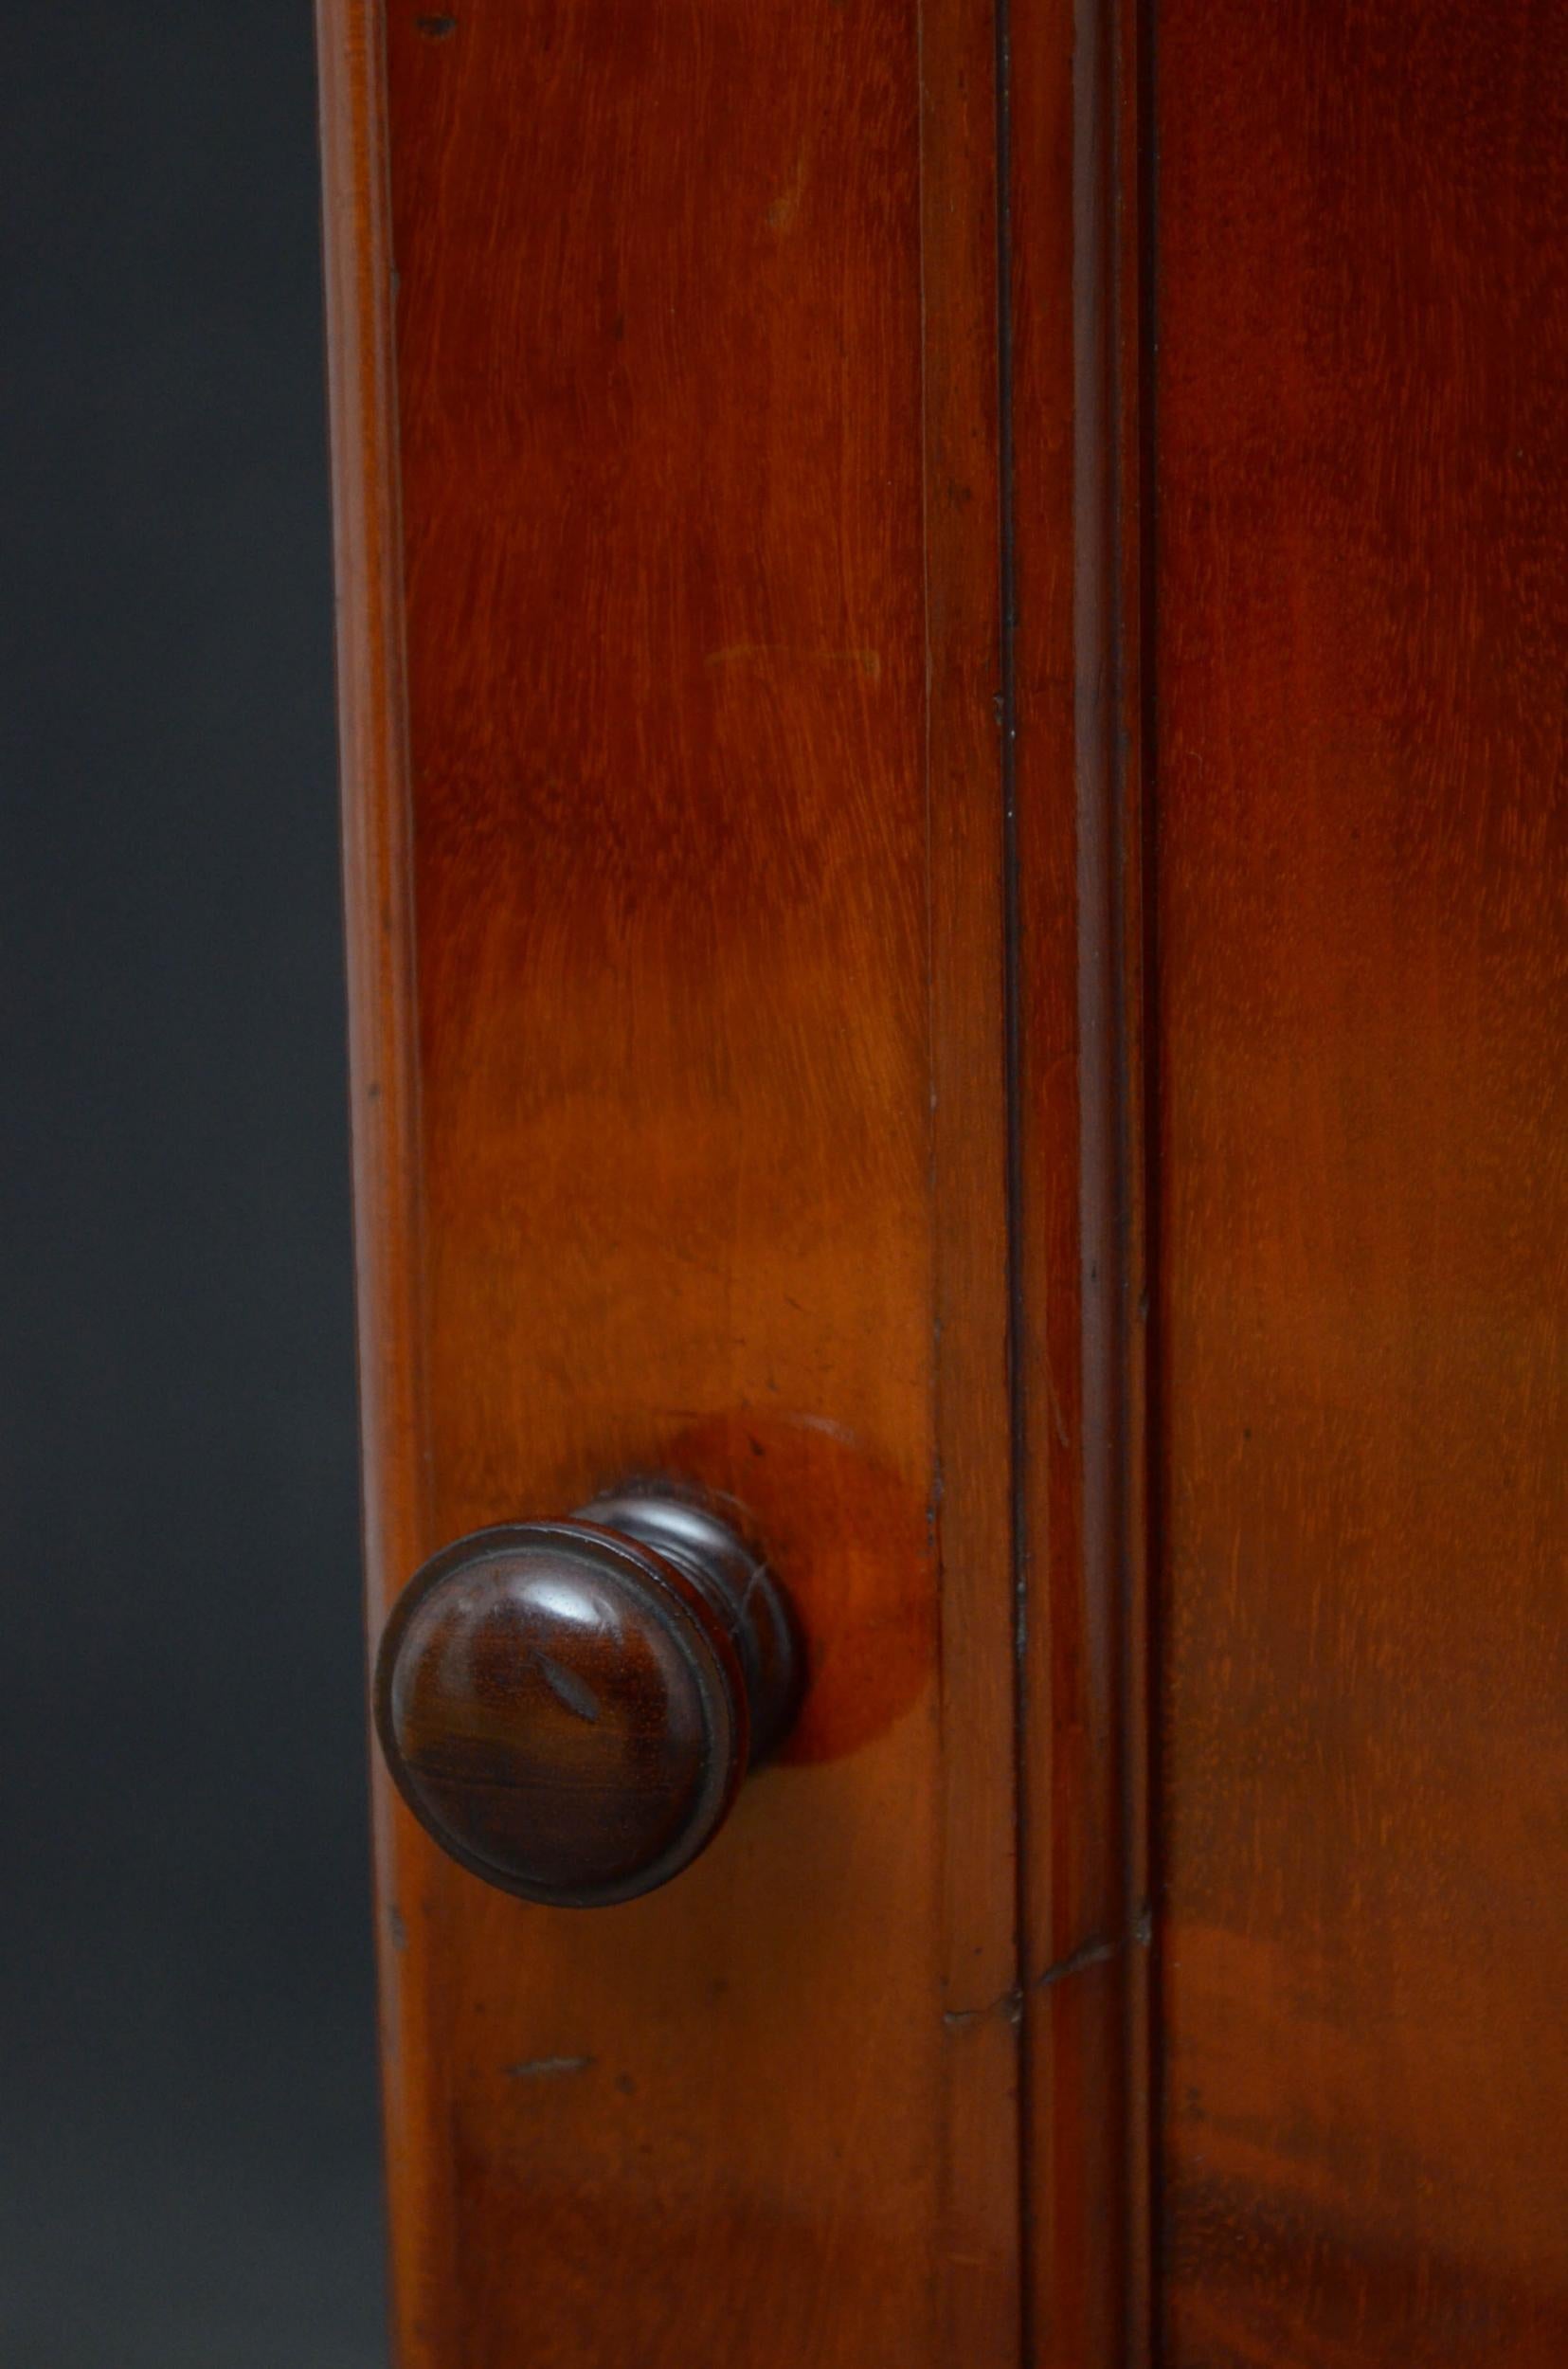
<point x="1072" y="221"/>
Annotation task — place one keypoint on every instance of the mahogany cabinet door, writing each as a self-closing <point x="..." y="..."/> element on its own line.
<point x="953" y="627"/>
<point x="681" y="754"/>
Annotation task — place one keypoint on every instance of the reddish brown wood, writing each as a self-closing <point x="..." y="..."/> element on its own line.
<point x="1362" y="580"/>
<point x="808" y="548"/>
<point x="383" y="1023"/>
<point x="1071" y="265"/>
<point x="980" y="2298"/>
<point x="697" y="387"/>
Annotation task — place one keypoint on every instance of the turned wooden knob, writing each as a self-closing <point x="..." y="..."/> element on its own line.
<point x="569" y="1708"/>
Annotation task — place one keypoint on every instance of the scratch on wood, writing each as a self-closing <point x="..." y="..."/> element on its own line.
<point x="542" y="2067"/>
<point x="1095" y="1952"/>
<point x="1010" y="2004"/>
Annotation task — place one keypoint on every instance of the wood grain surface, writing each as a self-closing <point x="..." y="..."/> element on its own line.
<point x="1361" y="600"/>
<point x="909" y="574"/>
<point x="680" y="925"/>
<point x="1071" y="263"/>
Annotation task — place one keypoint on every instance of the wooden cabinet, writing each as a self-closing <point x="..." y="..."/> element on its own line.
<point x="953" y="620"/>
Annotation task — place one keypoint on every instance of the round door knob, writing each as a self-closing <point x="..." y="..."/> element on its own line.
<point x="569" y="1708"/>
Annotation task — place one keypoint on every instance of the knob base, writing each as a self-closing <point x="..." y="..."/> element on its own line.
<point x="688" y="1532"/>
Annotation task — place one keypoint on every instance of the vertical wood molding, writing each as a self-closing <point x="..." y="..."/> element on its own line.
<point x="981" y="2284"/>
<point x="383" y="1033"/>
<point x="1073" y="267"/>
<point x="1130" y="43"/>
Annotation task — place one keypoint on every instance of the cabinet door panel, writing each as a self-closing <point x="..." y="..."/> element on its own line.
<point x="667" y="422"/>
<point x="1362" y="617"/>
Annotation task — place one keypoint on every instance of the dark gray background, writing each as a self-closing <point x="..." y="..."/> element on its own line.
<point x="188" y="2139"/>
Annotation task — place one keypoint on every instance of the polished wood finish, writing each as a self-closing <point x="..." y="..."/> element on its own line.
<point x="952" y="640"/>
<point x="1361" y="584"/>
<point x="1085" y="1913"/>
<point x="570" y="1707"/>
<point x="678" y="888"/>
